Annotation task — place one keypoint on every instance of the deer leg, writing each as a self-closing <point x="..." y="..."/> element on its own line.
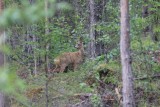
<point x="56" y="69"/>
<point x="75" y="66"/>
<point x="62" y="68"/>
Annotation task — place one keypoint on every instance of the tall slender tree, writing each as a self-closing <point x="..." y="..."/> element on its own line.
<point x="92" y="47"/>
<point x="128" y="92"/>
<point x="47" y="49"/>
<point x="2" y="97"/>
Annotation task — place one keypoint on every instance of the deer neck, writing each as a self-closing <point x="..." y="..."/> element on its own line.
<point x="81" y="50"/>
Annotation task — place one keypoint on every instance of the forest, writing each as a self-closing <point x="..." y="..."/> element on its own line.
<point x="79" y="53"/>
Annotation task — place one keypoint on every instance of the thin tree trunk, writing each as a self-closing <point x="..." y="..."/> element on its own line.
<point x="33" y="28"/>
<point x="46" y="55"/>
<point x="28" y="48"/>
<point x="35" y="58"/>
<point x="145" y="13"/>
<point x="92" y="47"/>
<point x="128" y="92"/>
<point x="2" y="100"/>
<point x="76" y="6"/>
<point x="34" y="47"/>
<point x="2" y="97"/>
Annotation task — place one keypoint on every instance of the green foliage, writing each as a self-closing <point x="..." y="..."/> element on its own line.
<point x="146" y="44"/>
<point x="63" y="6"/>
<point x="96" y="100"/>
<point x="15" y="18"/>
<point x="142" y="44"/>
<point x="28" y="14"/>
<point x="9" y="82"/>
<point x="113" y="53"/>
<point x="15" y="15"/>
<point x="93" y="70"/>
<point x="86" y="88"/>
<point x="24" y="21"/>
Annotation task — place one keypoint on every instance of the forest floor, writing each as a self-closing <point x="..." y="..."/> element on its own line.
<point x="85" y="88"/>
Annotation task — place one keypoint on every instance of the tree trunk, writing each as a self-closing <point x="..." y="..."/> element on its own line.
<point x="99" y="12"/>
<point x="2" y="101"/>
<point x="145" y="14"/>
<point x="2" y="97"/>
<point x="92" y="30"/>
<point x="128" y="91"/>
<point x="34" y="49"/>
<point x="46" y="55"/>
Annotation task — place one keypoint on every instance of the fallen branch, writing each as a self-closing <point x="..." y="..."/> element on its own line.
<point x="119" y="96"/>
<point x="149" y="77"/>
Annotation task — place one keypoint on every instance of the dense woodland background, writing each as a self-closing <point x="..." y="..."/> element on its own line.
<point x="37" y="31"/>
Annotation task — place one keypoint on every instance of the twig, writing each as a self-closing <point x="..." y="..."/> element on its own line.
<point x="150" y="77"/>
<point x="119" y="96"/>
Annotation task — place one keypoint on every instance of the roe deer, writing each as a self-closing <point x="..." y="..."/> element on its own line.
<point x="67" y="58"/>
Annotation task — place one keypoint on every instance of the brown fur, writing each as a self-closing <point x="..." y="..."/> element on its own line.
<point x="67" y="58"/>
